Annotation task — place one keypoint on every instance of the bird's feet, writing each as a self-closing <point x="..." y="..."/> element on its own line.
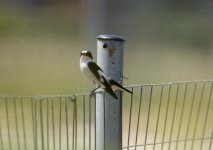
<point x="92" y="93"/>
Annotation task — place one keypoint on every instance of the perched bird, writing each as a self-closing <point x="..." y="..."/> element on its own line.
<point x="93" y="73"/>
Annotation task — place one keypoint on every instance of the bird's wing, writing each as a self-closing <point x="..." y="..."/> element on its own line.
<point x="108" y="87"/>
<point x="99" y="74"/>
<point x="95" y="69"/>
<point x="119" y="86"/>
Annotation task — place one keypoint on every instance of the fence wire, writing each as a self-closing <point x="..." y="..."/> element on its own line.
<point x="167" y="116"/>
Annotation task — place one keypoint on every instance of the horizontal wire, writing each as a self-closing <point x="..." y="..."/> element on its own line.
<point x="166" y="142"/>
<point x="73" y="96"/>
<point x="168" y="83"/>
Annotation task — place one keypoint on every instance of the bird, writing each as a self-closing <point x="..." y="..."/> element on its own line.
<point x="94" y="74"/>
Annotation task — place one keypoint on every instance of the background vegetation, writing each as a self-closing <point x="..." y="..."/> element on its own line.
<point x="41" y="40"/>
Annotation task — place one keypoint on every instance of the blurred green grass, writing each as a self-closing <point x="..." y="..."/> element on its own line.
<point x="39" y="50"/>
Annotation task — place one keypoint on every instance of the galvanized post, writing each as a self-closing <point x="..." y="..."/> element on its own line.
<point x="108" y="109"/>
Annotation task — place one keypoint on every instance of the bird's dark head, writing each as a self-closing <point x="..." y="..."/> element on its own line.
<point x="87" y="53"/>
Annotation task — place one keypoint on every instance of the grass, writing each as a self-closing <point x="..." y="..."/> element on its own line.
<point x="34" y="66"/>
<point x="39" y="51"/>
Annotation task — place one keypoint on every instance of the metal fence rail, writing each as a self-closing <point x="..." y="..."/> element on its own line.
<point x="177" y="116"/>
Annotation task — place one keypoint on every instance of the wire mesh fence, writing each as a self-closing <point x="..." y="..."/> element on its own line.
<point x="177" y="116"/>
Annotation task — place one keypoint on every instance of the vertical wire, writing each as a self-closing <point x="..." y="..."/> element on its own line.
<point x="60" y="105"/>
<point x="181" y="115"/>
<point x="159" y="112"/>
<point x="67" y="124"/>
<point x="8" y="123"/>
<point x="130" y="119"/>
<point x="84" y="122"/>
<point x="1" y="139"/>
<point x="74" y="142"/>
<point x="138" y="121"/>
<point x="42" y="128"/>
<point x="95" y="120"/>
<point x="104" y="119"/>
<point x="190" y="115"/>
<point x="76" y="127"/>
<point x="121" y="119"/>
<point x="23" y="122"/>
<point x="198" y="114"/>
<point x="165" y="123"/>
<point x="73" y="126"/>
<point x="174" y="114"/>
<point x="33" y="122"/>
<point x="89" y="122"/>
<point x="16" y="123"/>
<point x="48" y="140"/>
<point x="36" y="126"/>
<point x="211" y="140"/>
<point x="206" y="116"/>
<point x="147" y="123"/>
<point x="53" y="124"/>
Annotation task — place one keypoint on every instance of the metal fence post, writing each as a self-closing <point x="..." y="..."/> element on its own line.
<point x="108" y="109"/>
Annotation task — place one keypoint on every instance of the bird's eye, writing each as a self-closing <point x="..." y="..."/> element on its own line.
<point x="105" y="45"/>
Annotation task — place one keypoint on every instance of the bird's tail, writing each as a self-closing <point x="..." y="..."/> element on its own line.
<point x="113" y="83"/>
<point x="111" y="92"/>
<point x="108" y="88"/>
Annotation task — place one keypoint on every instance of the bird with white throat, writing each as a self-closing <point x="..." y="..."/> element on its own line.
<point x="94" y="74"/>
